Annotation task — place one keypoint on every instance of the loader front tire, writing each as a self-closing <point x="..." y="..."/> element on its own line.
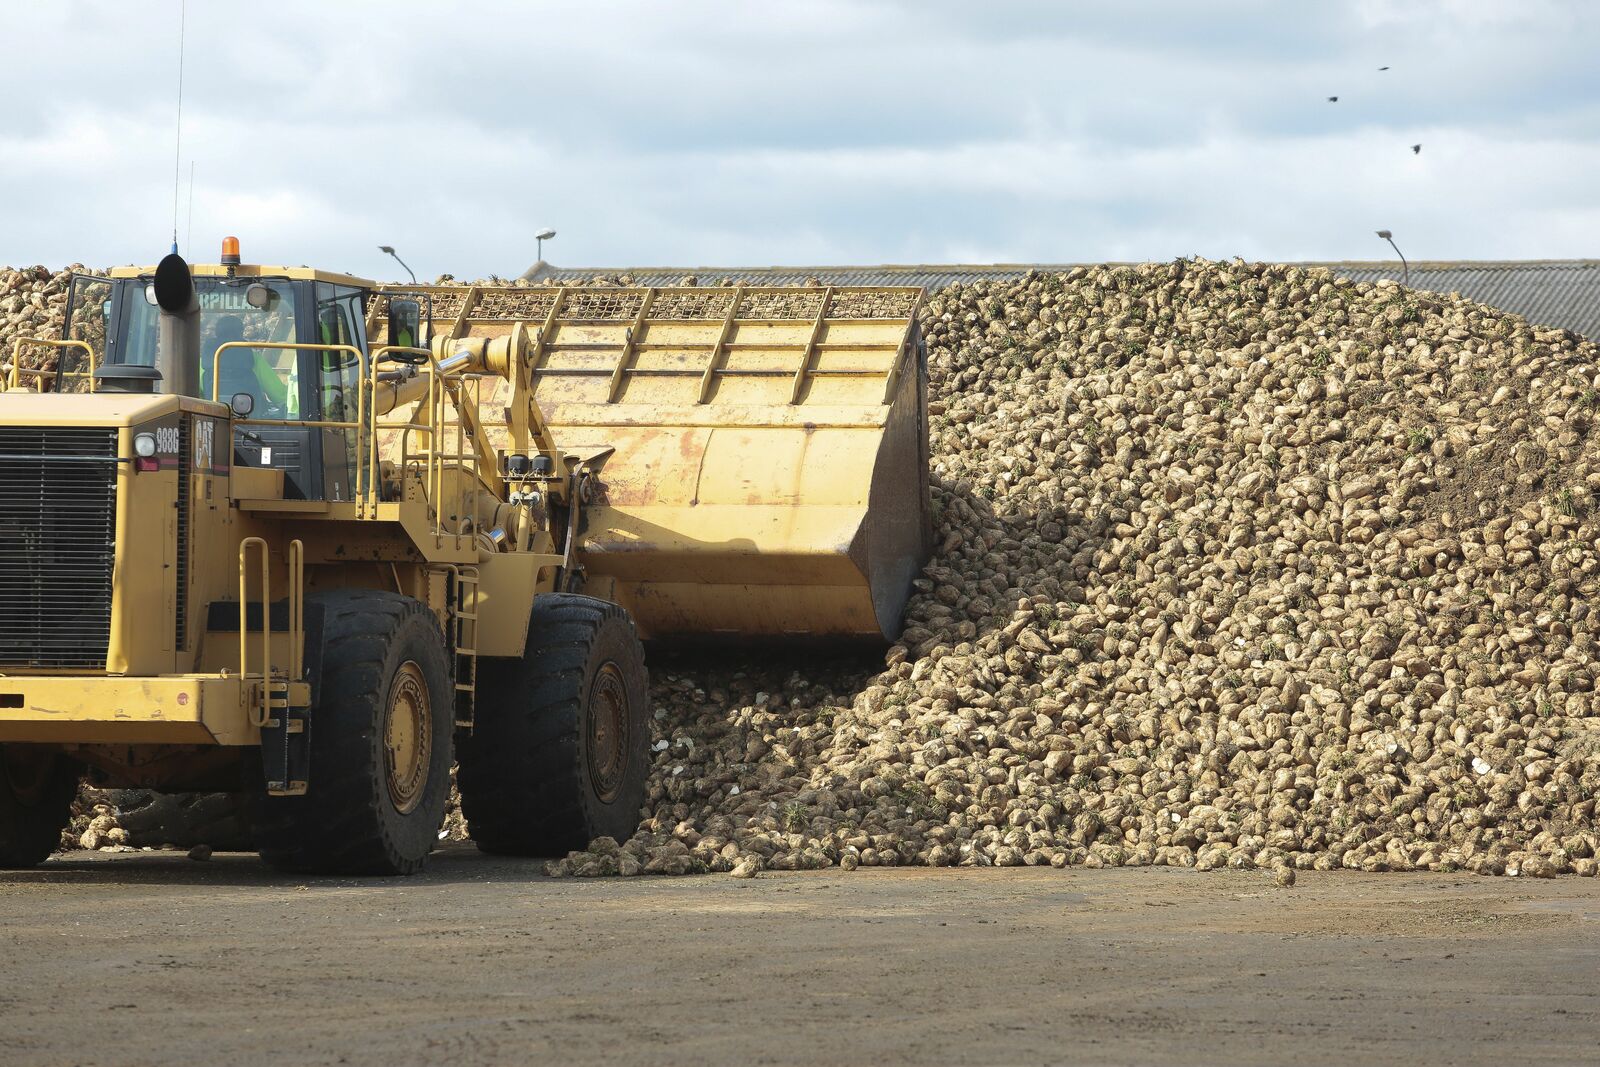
<point x="560" y="746"/>
<point x="36" y="791"/>
<point x="381" y="726"/>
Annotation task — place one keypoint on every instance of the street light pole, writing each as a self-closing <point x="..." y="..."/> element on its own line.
<point x="542" y="236"/>
<point x="390" y="250"/>
<point x="1404" y="266"/>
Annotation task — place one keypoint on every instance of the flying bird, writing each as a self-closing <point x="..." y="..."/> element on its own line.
<point x="1383" y="68"/>
<point x="1416" y="150"/>
<point x="1333" y="99"/>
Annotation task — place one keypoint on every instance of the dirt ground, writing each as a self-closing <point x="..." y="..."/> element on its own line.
<point x="153" y="958"/>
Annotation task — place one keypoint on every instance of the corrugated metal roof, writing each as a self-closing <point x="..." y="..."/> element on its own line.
<point x="1552" y="292"/>
<point x="1562" y="293"/>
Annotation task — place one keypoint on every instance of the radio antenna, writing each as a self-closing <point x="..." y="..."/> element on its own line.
<point x="188" y="233"/>
<point x="177" y="147"/>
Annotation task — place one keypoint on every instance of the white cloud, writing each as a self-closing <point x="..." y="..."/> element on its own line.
<point x="698" y="134"/>
<point x="1474" y="13"/>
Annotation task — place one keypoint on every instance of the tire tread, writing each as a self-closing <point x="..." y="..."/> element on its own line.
<point x="522" y="781"/>
<point x="338" y="826"/>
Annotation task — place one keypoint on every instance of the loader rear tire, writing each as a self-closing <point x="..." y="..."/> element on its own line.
<point x="36" y="791"/>
<point x="560" y="746"/>
<point x="381" y="730"/>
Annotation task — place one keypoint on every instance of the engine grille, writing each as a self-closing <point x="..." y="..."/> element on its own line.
<point x="58" y="513"/>
<point x="181" y="615"/>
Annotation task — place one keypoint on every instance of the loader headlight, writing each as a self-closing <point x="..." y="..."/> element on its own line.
<point x="144" y="445"/>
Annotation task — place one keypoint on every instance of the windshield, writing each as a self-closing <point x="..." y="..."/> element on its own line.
<point x="227" y="313"/>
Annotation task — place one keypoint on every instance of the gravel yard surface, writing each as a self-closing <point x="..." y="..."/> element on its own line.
<point x="151" y="958"/>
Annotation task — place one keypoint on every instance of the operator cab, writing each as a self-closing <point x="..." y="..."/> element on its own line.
<point x="250" y="317"/>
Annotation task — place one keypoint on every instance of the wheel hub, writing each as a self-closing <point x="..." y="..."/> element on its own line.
<point x="408" y="737"/>
<point x="609" y="732"/>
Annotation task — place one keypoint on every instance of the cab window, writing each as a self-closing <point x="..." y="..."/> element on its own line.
<point x="88" y="317"/>
<point x="270" y="376"/>
<point x="339" y="322"/>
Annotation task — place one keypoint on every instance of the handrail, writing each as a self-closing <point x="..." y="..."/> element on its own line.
<point x="367" y="426"/>
<point x="384" y="350"/>
<point x="216" y="357"/>
<point x="372" y="383"/>
<point x="297" y="609"/>
<point x="262" y="715"/>
<point x="432" y="403"/>
<point x="435" y="468"/>
<point x="362" y="360"/>
<point x="12" y="379"/>
<point x="266" y="627"/>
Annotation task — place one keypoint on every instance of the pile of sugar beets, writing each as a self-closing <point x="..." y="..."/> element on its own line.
<point x="1236" y="565"/>
<point x="32" y="303"/>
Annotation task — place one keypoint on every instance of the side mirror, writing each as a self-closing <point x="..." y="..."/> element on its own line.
<point x="242" y="404"/>
<point x="260" y="297"/>
<point x="405" y="323"/>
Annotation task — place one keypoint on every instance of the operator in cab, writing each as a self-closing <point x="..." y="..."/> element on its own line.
<point x="242" y="370"/>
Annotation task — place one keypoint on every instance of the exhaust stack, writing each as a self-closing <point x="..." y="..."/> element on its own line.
<point x="178" y="343"/>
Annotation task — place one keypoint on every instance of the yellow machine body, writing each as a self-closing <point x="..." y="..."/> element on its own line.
<point x="721" y="462"/>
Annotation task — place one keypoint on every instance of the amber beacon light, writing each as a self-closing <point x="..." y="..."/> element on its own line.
<point x="230" y="251"/>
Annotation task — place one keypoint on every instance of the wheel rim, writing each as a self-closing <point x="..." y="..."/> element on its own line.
<point x="609" y="730"/>
<point x="408" y="737"/>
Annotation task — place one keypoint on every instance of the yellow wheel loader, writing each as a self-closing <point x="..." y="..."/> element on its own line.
<point x="285" y="530"/>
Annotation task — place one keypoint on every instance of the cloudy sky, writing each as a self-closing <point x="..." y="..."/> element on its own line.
<point x="801" y="131"/>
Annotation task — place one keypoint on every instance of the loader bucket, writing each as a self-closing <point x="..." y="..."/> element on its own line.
<point x="769" y="472"/>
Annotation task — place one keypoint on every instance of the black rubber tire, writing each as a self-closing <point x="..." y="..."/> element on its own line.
<point x="347" y="821"/>
<point x="529" y="786"/>
<point x="185" y="819"/>
<point x="37" y="786"/>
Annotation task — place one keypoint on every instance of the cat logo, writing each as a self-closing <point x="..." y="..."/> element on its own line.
<point x="204" y="431"/>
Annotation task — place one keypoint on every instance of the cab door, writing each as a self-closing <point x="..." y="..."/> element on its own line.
<point x="341" y="320"/>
